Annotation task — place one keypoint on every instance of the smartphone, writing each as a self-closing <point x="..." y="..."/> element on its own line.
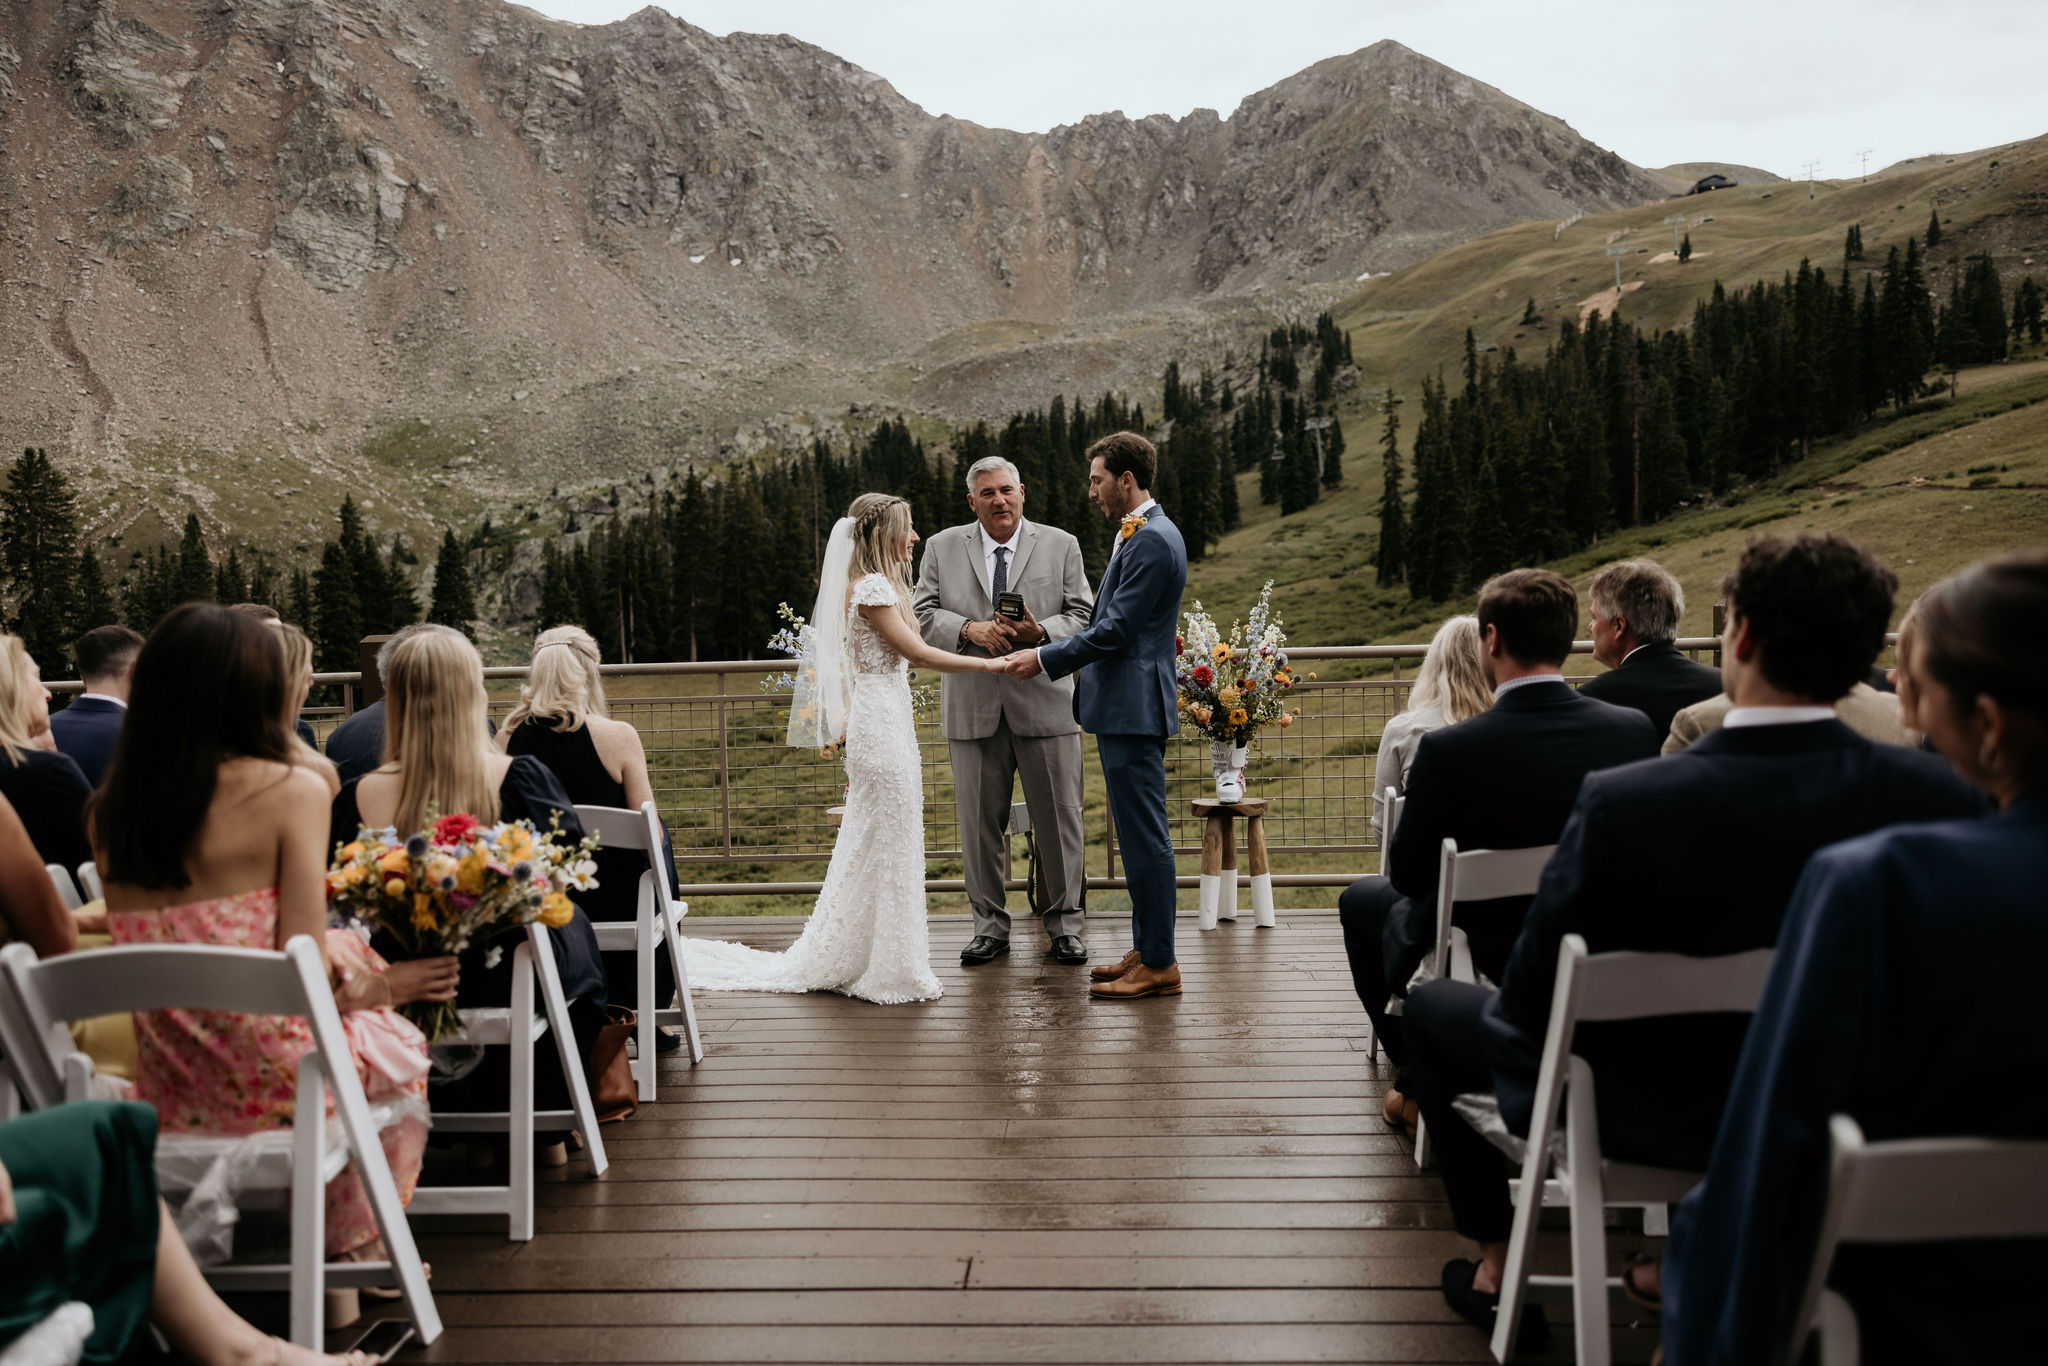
<point x="384" y="1339"/>
<point x="1010" y="605"/>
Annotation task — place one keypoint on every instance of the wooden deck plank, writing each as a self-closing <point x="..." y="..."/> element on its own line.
<point x="1014" y="1173"/>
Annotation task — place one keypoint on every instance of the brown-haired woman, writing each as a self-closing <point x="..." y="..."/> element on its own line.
<point x="207" y="832"/>
<point x="1904" y="995"/>
<point x="439" y="760"/>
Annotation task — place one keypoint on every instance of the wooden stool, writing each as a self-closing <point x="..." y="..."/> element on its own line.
<point x="1219" y="859"/>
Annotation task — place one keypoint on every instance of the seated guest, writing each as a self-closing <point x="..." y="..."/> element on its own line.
<point x="31" y="912"/>
<point x="85" y="730"/>
<point x="1872" y="714"/>
<point x="81" y="1222"/>
<point x="298" y="668"/>
<point x="1782" y="778"/>
<point x="47" y="789"/>
<point x="1449" y="687"/>
<point x="264" y="613"/>
<point x="357" y="745"/>
<point x="561" y="720"/>
<point x="1504" y="779"/>
<point x="1862" y="1017"/>
<point x="438" y="759"/>
<point x="206" y="832"/>
<point x="1637" y="606"/>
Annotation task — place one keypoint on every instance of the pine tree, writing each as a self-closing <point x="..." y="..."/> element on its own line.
<point x="195" y="580"/>
<point x="1492" y="550"/>
<point x="1333" y="453"/>
<point x="299" y="608"/>
<point x="1390" y="559"/>
<point x="337" y="626"/>
<point x="1852" y="244"/>
<point x="454" y="601"/>
<point x="1933" y="229"/>
<point x="229" y="585"/>
<point x="93" y="605"/>
<point x="1530" y="318"/>
<point x="2027" y="308"/>
<point x="39" y="556"/>
<point x="557" y="598"/>
<point x="1685" y="249"/>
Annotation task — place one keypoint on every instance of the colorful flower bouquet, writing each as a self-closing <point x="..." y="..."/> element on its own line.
<point x="457" y="885"/>
<point x="1232" y="688"/>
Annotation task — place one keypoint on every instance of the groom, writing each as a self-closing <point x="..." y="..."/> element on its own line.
<point x="1124" y="696"/>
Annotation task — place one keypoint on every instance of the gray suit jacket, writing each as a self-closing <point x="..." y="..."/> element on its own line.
<point x="953" y="589"/>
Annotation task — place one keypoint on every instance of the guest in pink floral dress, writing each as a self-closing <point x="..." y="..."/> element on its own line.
<point x="207" y="832"/>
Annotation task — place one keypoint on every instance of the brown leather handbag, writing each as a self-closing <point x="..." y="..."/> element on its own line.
<point x="613" y="1094"/>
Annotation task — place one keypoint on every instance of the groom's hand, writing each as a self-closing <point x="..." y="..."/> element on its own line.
<point x="1022" y="664"/>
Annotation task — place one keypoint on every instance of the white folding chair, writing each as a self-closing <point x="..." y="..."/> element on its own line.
<point x="1476" y="875"/>
<point x="1914" y="1190"/>
<point x="1606" y="987"/>
<point x="67" y="890"/>
<point x="519" y="1029"/>
<point x="89" y="881"/>
<point x="1386" y="806"/>
<point x="37" y="1000"/>
<point x="653" y="927"/>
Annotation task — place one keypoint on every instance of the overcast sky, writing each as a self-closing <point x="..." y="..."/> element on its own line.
<point x="1767" y="83"/>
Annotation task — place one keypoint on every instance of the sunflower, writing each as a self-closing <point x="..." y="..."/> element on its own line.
<point x="1238" y="717"/>
<point x="1221" y="652"/>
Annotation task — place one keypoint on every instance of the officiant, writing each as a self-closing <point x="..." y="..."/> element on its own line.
<point x="997" y="584"/>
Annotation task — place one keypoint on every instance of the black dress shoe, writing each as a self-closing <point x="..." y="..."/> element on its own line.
<point x="667" y="1040"/>
<point x="984" y="949"/>
<point x="1068" y="948"/>
<point x="1478" y="1308"/>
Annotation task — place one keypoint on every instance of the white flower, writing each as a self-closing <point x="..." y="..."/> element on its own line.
<point x="494" y="957"/>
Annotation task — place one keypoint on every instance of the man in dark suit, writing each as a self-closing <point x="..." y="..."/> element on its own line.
<point x="87" y="729"/>
<point x="1504" y="779"/>
<point x="1637" y="606"/>
<point x="1694" y="853"/>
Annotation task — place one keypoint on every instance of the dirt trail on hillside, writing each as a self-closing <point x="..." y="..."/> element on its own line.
<point x="1606" y="301"/>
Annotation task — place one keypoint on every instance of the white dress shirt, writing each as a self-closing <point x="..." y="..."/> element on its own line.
<point x="104" y="697"/>
<point x="1776" y="716"/>
<point x="1502" y="689"/>
<point x="989" y="546"/>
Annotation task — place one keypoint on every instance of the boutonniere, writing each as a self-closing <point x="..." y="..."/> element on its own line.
<point x="1132" y="521"/>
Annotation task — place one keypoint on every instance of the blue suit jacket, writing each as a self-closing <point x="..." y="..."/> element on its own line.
<point x="1125" y="656"/>
<point x="86" y="730"/>
<point x="1906" y="993"/>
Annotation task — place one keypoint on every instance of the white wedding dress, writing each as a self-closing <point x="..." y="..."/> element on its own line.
<point x="867" y="935"/>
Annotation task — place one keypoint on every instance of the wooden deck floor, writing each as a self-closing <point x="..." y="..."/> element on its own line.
<point x="1015" y="1173"/>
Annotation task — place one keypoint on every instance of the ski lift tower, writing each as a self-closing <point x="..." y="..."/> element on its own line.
<point x="1617" y="253"/>
<point x="1811" y="168"/>
<point x="1674" y="221"/>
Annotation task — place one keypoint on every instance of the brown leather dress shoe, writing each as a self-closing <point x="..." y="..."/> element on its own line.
<point x="1140" y="981"/>
<point x="1109" y="972"/>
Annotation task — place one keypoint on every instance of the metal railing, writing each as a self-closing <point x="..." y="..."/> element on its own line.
<point x="748" y="813"/>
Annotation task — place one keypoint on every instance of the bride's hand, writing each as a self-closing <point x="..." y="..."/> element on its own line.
<point x="997" y="664"/>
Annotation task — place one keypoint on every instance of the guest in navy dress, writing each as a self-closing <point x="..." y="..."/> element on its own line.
<point x="563" y="721"/>
<point x="438" y="758"/>
<point x="47" y="789"/>
<point x="1904" y="994"/>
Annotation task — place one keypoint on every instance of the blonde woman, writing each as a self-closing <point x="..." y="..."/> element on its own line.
<point x="439" y="761"/>
<point x="866" y="936"/>
<point x="47" y="788"/>
<point x="298" y="669"/>
<point x="1450" y="687"/>
<point x="562" y="721"/>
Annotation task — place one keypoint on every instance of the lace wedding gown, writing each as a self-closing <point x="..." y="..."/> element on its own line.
<point x="867" y="935"/>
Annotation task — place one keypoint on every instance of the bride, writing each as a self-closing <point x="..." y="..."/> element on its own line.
<point x="866" y="936"/>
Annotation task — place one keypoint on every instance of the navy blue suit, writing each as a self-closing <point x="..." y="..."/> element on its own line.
<point x="86" y="730"/>
<point x="1124" y="697"/>
<point x="1905" y="993"/>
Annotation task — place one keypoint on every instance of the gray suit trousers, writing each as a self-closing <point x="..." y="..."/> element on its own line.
<point x="984" y="775"/>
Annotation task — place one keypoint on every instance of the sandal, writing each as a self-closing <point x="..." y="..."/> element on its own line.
<point x="349" y="1358"/>
<point x="1641" y="1298"/>
<point x="1390" y="1108"/>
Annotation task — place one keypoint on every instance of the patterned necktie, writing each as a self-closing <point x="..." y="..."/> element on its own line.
<point x="1002" y="580"/>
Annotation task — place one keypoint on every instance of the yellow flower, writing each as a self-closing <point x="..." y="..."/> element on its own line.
<point x="353" y="875"/>
<point x="350" y="850"/>
<point x="1237" y="717"/>
<point x="1132" y="521"/>
<point x="1221" y="652"/>
<point x="422" y="911"/>
<point x="469" y="874"/>
<point x="829" y="751"/>
<point x="395" y="862"/>
<point x="556" y="910"/>
<point x="1311" y="678"/>
<point x="394" y="887"/>
<point x="1230" y="697"/>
